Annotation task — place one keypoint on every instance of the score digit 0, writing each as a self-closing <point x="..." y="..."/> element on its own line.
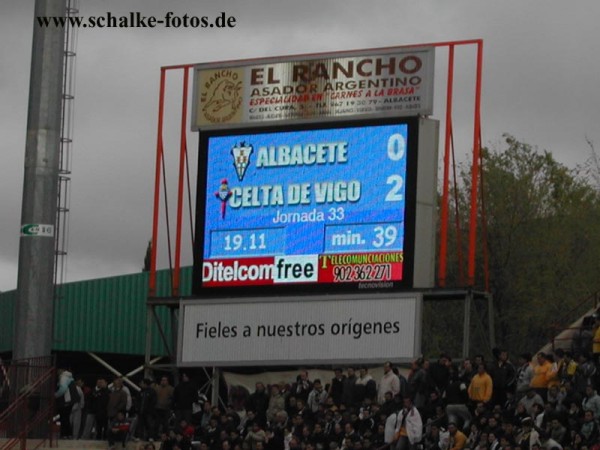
<point x="396" y="149"/>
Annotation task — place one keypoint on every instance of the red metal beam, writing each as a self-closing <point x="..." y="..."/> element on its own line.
<point x="475" y="169"/>
<point x="159" y="154"/>
<point x="346" y="52"/>
<point x="446" y="180"/>
<point x="180" y="192"/>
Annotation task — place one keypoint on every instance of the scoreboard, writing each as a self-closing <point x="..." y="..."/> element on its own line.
<point x="301" y="208"/>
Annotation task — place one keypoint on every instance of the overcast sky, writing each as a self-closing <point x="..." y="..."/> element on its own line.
<point x="540" y="84"/>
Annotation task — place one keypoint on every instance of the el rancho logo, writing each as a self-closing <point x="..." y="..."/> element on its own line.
<point x="221" y="95"/>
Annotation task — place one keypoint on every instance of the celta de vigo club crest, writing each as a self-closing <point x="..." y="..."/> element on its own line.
<point x="241" y="158"/>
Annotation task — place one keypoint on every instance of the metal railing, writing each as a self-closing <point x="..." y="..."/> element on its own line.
<point x="28" y="394"/>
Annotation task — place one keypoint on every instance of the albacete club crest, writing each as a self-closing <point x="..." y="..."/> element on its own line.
<point x="241" y="158"/>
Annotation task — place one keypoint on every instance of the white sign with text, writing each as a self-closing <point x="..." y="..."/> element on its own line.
<point x="396" y="81"/>
<point x="300" y="330"/>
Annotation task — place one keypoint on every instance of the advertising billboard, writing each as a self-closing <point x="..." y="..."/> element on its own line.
<point x="375" y="83"/>
<point x="300" y="330"/>
<point x="303" y="208"/>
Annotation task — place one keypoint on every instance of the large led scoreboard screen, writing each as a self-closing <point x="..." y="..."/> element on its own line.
<point x="306" y="208"/>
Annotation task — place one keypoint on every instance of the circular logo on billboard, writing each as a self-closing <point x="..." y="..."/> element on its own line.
<point x="222" y="96"/>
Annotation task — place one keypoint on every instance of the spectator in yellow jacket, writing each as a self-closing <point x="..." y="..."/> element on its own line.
<point x="481" y="387"/>
<point x="542" y="374"/>
<point x="457" y="438"/>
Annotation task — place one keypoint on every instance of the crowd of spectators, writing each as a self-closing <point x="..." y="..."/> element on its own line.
<point x="545" y="402"/>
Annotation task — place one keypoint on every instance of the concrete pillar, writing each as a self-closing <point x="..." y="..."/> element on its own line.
<point x="34" y="313"/>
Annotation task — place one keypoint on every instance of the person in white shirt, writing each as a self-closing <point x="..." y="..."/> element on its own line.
<point x="409" y="428"/>
<point x="389" y="383"/>
<point x="317" y="396"/>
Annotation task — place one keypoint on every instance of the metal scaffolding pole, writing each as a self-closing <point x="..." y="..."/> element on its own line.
<point x="34" y="306"/>
<point x="467" y="325"/>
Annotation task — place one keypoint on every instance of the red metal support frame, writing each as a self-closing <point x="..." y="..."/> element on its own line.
<point x="31" y="408"/>
<point x="159" y="154"/>
<point x="475" y="168"/>
<point x="182" y="158"/>
<point x="442" y="261"/>
<point x="484" y="233"/>
<point x="457" y="222"/>
<point x="444" y="207"/>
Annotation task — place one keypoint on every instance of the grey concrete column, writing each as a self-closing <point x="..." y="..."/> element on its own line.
<point x="34" y="300"/>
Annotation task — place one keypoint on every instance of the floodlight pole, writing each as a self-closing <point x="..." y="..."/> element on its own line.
<point x="34" y="313"/>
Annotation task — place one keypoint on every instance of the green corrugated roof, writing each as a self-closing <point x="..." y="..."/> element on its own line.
<point x="105" y="315"/>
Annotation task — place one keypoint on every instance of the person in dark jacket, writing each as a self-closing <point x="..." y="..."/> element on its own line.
<point x="146" y="411"/>
<point x="258" y="402"/>
<point x="349" y="388"/>
<point x="589" y="429"/>
<point x="336" y="388"/>
<point x="439" y="372"/>
<point x="504" y="376"/>
<point x="185" y="395"/>
<point x="456" y="390"/>
<point x="96" y="416"/>
<point x="117" y="400"/>
<point x="302" y="387"/>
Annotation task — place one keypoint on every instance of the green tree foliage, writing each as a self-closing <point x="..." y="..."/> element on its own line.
<point x="543" y="234"/>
